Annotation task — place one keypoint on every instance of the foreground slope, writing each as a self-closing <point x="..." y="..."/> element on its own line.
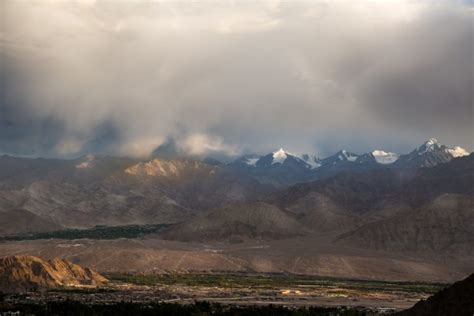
<point x="456" y="300"/>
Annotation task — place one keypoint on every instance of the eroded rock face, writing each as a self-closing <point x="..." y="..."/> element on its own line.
<point x="29" y="273"/>
<point x="171" y="168"/>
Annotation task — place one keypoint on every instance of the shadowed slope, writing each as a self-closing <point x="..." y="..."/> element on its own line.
<point x="456" y="300"/>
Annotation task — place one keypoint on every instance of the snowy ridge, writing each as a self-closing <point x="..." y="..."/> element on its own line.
<point x="438" y="153"/>
<point x="310" y="161"/>
<point x="313" y="162"/>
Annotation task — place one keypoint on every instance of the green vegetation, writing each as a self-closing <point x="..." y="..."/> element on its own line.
<point x="72" y="308"/>
<point x="272" y="280"/>
<point x="98" y="232"/>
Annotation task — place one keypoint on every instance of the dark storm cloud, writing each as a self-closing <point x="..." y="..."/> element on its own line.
<point x="233" y="77"/>
<point x="426" y="85"/>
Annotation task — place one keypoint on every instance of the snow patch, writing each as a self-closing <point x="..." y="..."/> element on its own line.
<point x="313" y="162"/>
<point x="347" y="156"/>
<point x="252" y="161"/>
<point x="457" y="152"/>
<point x="383" y="157"/>
<point x="351" y="158"/>
<point x="87" y="164"/>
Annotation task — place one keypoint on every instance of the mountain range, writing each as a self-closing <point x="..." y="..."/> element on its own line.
<point x="281" y="168"/>
<point x="47" y="194"/>
<point x="415" y="204"/>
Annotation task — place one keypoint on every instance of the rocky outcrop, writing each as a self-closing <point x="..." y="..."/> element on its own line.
<point x="29" y="273"/>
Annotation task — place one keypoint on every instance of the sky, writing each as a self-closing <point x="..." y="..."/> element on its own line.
<point x="234" y="77"/>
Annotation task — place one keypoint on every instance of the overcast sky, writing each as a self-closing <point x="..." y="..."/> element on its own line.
<point x="122" y="77"/>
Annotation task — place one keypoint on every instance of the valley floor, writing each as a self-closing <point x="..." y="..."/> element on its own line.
<point x="315" y="255"/>
<point x="240" y="289"/>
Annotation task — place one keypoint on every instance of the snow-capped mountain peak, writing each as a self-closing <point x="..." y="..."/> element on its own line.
<point x="432" y="145"/>
<point x="383" y="157"/>
<point x="280" y="156"/>
<point x="429" y="146"/>
<point x="310" y="161"/>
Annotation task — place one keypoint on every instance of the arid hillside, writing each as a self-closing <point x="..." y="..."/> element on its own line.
<point x="29" y="273"/>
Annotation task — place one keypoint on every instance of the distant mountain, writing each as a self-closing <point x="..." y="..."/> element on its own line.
<point x="430" y="154"/>
<point x="278" y="169"/>
<point x="340" y="156"/>
<point x="246" y="161"/>
<point x="425" y="209"/>
<point x="443" y="225"/>
<point x="275" y="167"/>
<point x="362" y="192"/>
<point x="44" y="194"/>
<point x="455" y="300"/>
<point x="29" y="273"/>
<point x="281" y="158"/>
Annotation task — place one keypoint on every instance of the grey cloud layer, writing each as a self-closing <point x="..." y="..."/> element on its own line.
<point x="227" y="77"/>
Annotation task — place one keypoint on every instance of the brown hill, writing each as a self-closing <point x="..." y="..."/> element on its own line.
<point x="108" y="191"/>
<point x="456" y="300"/>
<point x="238" y="222"/>
<point x="363" y="192"/>
<point x="446" y="224"/>
<point x="29" y="273"/>
<point x="18" y="221"/>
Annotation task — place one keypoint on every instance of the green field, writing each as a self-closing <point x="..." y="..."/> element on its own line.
<point x="97" y="232"/>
